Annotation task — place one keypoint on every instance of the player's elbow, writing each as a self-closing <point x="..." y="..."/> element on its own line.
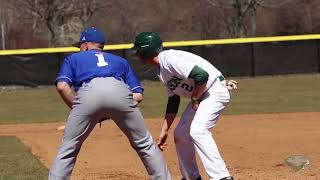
<point x="62" y="86"/>
<point x="138" y="97"/>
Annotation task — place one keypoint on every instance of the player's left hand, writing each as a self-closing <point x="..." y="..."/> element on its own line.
<point x="137" y="97"/>
<point x="195" y="104"/>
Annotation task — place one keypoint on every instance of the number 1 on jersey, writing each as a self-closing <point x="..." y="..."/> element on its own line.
<point x="101" y="60"/>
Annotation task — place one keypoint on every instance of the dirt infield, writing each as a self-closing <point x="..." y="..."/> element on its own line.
<point x="253" y="146"/>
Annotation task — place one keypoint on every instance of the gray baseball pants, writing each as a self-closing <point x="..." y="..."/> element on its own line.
<point x="99" y="99"/>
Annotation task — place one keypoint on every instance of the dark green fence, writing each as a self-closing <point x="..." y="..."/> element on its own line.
<point x="247" y="59"/>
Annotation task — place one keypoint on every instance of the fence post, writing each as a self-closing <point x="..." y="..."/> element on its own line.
<point x="253" y="62"/>
<point x="318" y="54"/>
<point x="124" y="54"/>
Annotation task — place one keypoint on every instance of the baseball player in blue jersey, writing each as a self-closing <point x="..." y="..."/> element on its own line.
<point x="105" y="87"/>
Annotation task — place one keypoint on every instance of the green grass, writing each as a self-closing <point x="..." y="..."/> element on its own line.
<point x="31" y="105"/>
<point x="268" y="94"/>
<point x="271" y="94"/>
<point x="17" y="163"/>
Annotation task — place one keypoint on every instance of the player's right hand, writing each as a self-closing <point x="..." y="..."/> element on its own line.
<point x="161" y="141"/>
<point x="231" y="84"/>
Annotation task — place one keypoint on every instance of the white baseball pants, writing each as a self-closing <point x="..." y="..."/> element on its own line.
<point x="193" y="133"/>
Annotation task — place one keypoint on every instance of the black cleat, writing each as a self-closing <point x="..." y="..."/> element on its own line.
<point x="199" y="178"/>
<point x="228" y="178"/>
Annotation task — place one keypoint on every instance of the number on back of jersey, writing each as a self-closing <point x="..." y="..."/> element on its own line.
<point x="101" y="60"/>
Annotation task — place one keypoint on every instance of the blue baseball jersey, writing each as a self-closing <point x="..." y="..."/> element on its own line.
<point x="83" y="66"/>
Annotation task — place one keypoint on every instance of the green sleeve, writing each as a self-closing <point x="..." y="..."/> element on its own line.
<point x="199" y="75"/>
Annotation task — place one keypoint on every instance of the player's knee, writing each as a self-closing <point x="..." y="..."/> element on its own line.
<point x="179" y="135"/>
<point x="143" y="143"/>
<point x="198" y="133"/>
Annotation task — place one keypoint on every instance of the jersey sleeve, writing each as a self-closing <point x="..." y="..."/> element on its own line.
<point x="181" y="67"/>
<point x="66" y="73"/>
<point x="132" y="80"/>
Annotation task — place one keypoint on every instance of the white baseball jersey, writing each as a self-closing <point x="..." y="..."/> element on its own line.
<point x="175" y="67"/>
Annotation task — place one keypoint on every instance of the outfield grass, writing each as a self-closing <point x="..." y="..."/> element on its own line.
<point x="17" y="162"/>
<point x="31" y="105"/>
<point x="268" y="94"/>
<point x="271" y="94"/>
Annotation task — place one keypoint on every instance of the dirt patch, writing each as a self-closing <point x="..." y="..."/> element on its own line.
<point x="253" y="146"/>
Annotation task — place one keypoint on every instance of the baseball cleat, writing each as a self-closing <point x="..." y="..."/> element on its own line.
<point x="199" y="178"/>
<point x="228" y="178"/>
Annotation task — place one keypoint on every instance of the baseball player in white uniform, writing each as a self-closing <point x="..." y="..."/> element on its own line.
<point x="188" y="75"/>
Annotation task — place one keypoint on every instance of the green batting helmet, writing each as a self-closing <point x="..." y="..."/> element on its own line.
<point x="147" y="44"/>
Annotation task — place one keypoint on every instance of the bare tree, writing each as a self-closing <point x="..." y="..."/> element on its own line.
<point x="234" y="15"/>
<point x="2" y="27"/>
<point x="37" y="23"/>
<point x="237" y="13"/>
<point x="63" y="19"/>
